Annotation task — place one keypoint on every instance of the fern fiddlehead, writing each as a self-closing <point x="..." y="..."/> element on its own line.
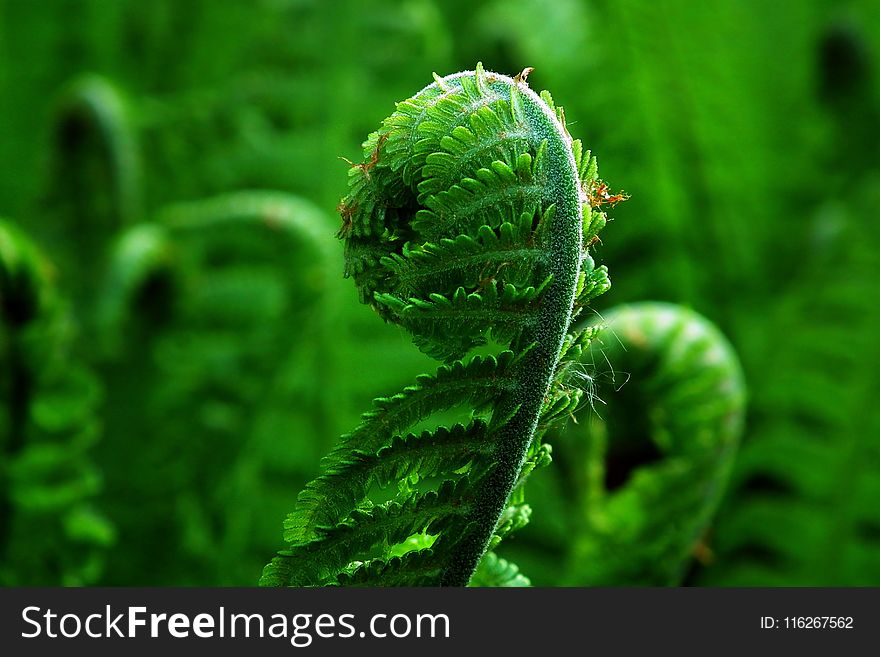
<point x="97" y="165"/>
<point x="653" y="467"/>
<point x="94" y="181"/>
<point x="203" y="302"/>
<point x="230" y="231"/>
<point x="467" y="224"/>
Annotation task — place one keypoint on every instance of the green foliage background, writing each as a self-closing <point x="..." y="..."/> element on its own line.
<point x="747" y="134"/>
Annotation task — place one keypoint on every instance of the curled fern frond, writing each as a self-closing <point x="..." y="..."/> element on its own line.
<point x="94" y="183"/>
<point x="220" y="305"/>
<point x="49" y="531"/>
<point x="186" y="239"/>
<point x="656" y="457"/>
<point x="467" y="224"/>
<point x="96" y="163"/>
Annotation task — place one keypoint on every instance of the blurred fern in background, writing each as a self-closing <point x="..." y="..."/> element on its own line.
<point x="220" y="307"/>
<point x="218" y="365"/>
<point x="51" y="532"/>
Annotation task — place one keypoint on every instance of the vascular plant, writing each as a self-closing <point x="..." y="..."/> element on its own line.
<point x="646" y="470"/>
<point x="468" y="224"/>
<point x="202" y="303"/>
<point x="49" y="532"/>
<point x="94" y="181"/>
<point x="96" y="166"/>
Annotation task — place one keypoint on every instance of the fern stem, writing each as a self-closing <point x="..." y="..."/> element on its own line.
<point x="536" y="369"/>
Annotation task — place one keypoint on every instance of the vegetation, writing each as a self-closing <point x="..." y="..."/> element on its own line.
<point x="468" y="224"/>
<point x="179" y="348"/>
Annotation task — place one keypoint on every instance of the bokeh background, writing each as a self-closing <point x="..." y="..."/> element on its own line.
<point x="182" y="374"/>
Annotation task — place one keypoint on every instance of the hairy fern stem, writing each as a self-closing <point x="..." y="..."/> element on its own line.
<point x="535" y="371"/>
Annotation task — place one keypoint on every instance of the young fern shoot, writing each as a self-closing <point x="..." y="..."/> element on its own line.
<point x="650" y="469"/>
<point x="96" y="163"/>
<point x="468" y="224"/>
<point x="201" y="302"/>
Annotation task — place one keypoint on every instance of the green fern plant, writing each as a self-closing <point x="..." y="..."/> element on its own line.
<point x="212" y="305"/>
<point x="94" y="182"/>
<point x="50" y="533"/>
<point x="191" y="316"/>
<point x="653" y="462"/>
<point x="468" y="224"/>
<point x="97" y="166"/>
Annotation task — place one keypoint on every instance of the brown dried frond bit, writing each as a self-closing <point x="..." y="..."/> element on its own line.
<point x="598" y="194"/>
<point x="523" y="75"/>
<point x="374" y="156"/>
<point x="346" y="210"/>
